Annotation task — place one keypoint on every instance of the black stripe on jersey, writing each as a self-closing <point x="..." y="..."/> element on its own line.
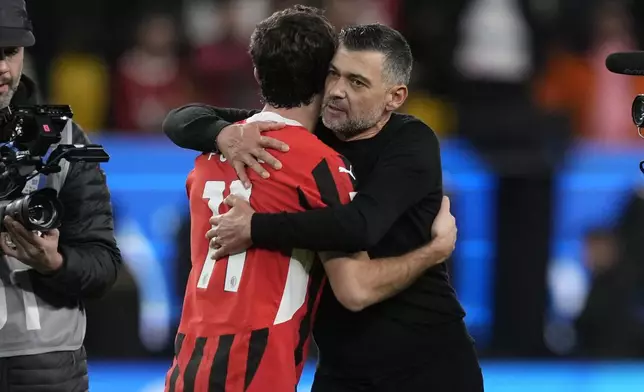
<point x="219" y="369"/>
<point x="304" y="202"/>
<point x="348" y="165"/>
<point x="325" y="183"/>
<point x="178" y="343"/>
<point x="316" y="275"/>
<point x="256" y="349"/>
<point x="317" y="271"/>
<point x="174" y="375"/>
<point x="190" y="374"/>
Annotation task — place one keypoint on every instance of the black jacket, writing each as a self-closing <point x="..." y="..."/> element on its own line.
<point x="87" y="243"/>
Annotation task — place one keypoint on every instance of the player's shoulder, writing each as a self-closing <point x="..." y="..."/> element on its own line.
<point x="211" y="165"/>
<point x="308" y="153"/>
<point x="306" y="150"/>
<point x="292" y="132"/>
<point x="304" y="145"/>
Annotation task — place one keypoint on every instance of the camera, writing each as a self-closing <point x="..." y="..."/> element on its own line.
<point x="29" y="147"/>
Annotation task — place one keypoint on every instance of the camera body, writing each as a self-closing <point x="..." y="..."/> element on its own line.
<point x="30" y="149"/>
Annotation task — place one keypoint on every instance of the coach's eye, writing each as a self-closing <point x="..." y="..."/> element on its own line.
<point x="357" y="83"/>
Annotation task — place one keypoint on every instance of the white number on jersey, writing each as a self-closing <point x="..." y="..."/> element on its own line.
<point x="213" y="191"/>
<point x="297" y="280"/>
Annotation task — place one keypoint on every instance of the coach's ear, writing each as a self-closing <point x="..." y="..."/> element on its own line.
<point x="256" y="75"/>
<point x="397" y="96"/>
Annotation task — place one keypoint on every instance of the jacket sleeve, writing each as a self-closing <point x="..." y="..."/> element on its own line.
<point x="91" y="258"/>
<point x="408" y="171"/>
<point x="197" y="126"/>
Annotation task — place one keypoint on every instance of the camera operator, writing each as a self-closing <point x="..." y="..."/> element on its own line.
<point x="45" y="276"/>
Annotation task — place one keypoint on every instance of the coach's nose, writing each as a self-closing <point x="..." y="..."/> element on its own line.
<point x="337" y="89"/>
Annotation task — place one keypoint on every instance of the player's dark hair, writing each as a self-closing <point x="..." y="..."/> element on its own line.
<point x="291" y="52"/>
<point x="380" y="38"/>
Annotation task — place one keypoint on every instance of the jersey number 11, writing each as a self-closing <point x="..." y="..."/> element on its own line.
<point x="213" y="191"/>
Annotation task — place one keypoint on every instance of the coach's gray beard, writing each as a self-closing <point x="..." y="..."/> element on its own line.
<point x="351" y="128"/>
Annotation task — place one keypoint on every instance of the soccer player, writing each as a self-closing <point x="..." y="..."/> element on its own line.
<point x="415" y="340"/>
<point x="247" y="318"/>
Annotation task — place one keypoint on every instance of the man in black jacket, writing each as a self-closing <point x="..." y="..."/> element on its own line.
<point x="44" y="278"/>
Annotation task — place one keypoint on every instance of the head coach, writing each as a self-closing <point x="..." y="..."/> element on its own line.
<point x="44" y="277"/>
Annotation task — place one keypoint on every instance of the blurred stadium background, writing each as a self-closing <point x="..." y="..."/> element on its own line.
<point x="539" y="154"/>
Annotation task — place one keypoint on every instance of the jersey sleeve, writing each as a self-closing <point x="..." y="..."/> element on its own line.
<point x="332" y="182"/>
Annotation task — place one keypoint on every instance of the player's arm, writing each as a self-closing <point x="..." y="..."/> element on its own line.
<point x="197" y="126"/>
<point x="407" y="171"/>
<point x="359" y="282"/>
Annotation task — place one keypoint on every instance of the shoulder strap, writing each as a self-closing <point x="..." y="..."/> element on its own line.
<point x="56" y="180"/>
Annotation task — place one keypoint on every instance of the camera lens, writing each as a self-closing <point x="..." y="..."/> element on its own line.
<point x="40" y="210"/>
<point x="637" y="111"/>
<point x="42" y="215"/>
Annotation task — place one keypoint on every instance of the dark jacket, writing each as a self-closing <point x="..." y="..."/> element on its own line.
<point x="87" y="243"/>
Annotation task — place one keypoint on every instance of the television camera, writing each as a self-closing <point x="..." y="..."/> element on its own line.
<point x="29" y="137"/>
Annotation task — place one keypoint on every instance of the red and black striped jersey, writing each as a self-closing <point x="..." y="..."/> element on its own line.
<point x="258" y="304"/>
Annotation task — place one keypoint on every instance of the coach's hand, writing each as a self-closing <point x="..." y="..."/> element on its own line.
<point x="243" y="145"/>
<point x="232" y="230"/>
<point x="444" y="230"/>
<point x="38" y="252"/>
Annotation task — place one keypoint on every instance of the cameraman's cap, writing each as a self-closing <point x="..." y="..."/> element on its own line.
<point x="15" y="26"/>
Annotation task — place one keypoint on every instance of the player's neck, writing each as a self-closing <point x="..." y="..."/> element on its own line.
<point x="306" y="115"/>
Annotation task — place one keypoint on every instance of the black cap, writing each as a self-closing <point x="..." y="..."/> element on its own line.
<point x="15" y="26"/>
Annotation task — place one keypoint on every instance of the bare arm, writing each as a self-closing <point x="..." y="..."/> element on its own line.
<point x="359" y="282"/>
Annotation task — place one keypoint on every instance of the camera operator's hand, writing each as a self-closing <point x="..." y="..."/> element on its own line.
<point x="40" y="253"/>
<point x="243" y="145"/>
